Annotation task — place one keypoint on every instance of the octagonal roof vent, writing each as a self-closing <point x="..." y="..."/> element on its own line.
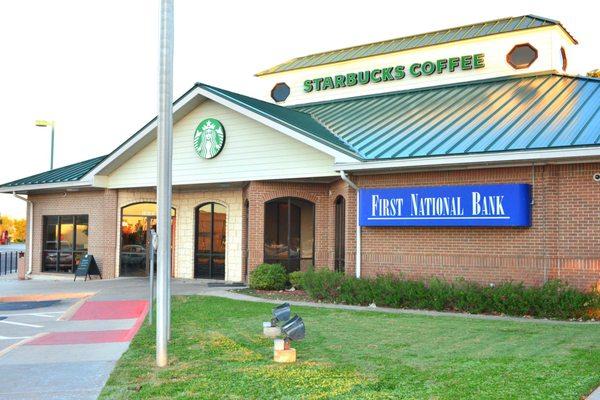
<point x="280" y="92"/>
<point x="522" y="56"/>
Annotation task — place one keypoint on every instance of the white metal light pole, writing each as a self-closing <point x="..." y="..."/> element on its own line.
<point x="44" y="124"/>
<point x="163" y="185"/>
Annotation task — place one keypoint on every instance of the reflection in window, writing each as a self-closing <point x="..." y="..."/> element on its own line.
<point x="65" y="242"/>
<point x="289" y="233"/>
<point x="136" y="222"/>
<point x="211" y="227"/>
<point x="340" y="235"/>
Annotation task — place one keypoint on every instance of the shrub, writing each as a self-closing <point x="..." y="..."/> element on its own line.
<point x="268" y="277"/>
<point x="554" y="299"/>
<point x="356" y="291"/>
<point x="323" y="284"/>
<point x="295" y="279"/>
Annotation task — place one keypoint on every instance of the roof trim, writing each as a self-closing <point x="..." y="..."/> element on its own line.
<point x="45" y="186"/>
<point x="580" y="154"/>
<point x="65" y="174"/>
<point x="275" y="69"/>
<point x="282" y="126"/>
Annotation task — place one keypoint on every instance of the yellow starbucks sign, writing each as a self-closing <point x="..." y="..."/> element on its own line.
<point x="209" y="138"/>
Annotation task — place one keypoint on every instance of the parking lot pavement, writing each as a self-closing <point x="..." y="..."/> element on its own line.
<point x="67" y="349"/>
<point x="63" y="348"/>
<point x="24" y="320"/>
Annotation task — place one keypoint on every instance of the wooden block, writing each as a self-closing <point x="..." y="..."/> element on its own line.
<point x="278" y="344"/>
<point x="272" y="331"/>
<point x="285" y="356"/>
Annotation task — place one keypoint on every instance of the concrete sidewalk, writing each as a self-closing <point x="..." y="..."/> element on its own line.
<point x="71" y="358"/>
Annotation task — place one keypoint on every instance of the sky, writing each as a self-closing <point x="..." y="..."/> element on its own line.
<point x="92" y="66"/>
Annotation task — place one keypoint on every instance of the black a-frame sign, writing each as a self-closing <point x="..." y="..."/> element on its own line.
<point x="87" y="267"/>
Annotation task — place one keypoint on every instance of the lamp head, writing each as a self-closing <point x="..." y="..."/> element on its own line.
<point x="281" y="313"/>
<point x="294" y="329"/>
<point x="43" y="123"/>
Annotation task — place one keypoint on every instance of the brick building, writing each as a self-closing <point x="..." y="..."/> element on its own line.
<point x="468" y="152"/>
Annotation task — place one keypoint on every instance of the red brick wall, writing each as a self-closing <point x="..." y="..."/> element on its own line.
<point x="259" y="192"/>
<point x="563" y="241"/>
<point x="101" y="208"/>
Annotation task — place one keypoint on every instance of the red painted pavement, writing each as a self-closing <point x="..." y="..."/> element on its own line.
<point x="123" y="309"/>
<point x="100" y="310"/>
<point x="84" y="337"/>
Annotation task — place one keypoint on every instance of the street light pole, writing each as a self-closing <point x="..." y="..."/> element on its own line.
<point x="52" y="147"/>
<point x="164" y="182"/>
<point x="44" y="124"/>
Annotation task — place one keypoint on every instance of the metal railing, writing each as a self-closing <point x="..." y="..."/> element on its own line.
<point x="9" y="260"/>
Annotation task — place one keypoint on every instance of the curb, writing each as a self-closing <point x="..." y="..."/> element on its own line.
<point x="67" y="315"/>
<point x="13" y="346"/>
<point x="228" y="294"/>
<point x="45" y="297"/>
<point x="595" y="395"/>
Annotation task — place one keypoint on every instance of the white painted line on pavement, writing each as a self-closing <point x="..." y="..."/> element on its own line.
<point x="14" y="337"/>
<point x="20" y="324"/>
<point x="44" y="314"/>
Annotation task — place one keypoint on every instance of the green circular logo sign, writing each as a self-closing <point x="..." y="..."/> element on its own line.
<point x="209" y="138"/>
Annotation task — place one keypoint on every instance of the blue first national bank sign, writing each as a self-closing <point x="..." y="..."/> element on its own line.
<point x="473" y="205"/>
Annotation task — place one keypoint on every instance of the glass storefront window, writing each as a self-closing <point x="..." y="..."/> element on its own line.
<point x="289" y="233"/>
<point x="65" y="242"/>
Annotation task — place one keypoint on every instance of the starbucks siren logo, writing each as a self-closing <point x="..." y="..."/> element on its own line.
<point x="209" y="138"/>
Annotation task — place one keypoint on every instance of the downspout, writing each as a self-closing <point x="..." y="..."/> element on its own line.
<point x="358" y="231"/>
<point x="29" y="233"/>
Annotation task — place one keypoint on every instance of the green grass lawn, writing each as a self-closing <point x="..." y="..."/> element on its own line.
<point x="218" y="352"/>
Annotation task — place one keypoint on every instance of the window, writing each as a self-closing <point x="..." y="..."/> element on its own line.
<point x="280" y="92"/>
<point x="65" y="242"/>
<point x="289" y="233"/>
<point x="340" y="235"/>
<point x="211" y="226"/>
<point x="522" y="56"/>
<point x="136" y="222"/>
<point x="563" y="55"/>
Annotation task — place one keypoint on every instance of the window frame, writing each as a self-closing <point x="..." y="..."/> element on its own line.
<point x="74" y="252"/>
<point x="288" y="201"/>
<point x="211" y="254"/>
<point x="339" y="249"/>
<point x="522" y="66"/>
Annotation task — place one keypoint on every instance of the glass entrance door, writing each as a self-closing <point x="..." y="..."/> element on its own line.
<point x="135" y="236"/>
<point x="136" y="222"/>
<point x="211" y="225"/>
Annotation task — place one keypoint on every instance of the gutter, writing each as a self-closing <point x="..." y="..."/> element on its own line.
<point x="29" y="233"/>
<point x="502" y="158"/>
<point x="358" y="230"/>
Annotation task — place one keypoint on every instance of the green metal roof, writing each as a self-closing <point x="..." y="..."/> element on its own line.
<point x="509" y="114"/>
<point x="472" y="31"/>
<point x="300" y="122"/>
<point x="68" y="173"/>
<point x="498" y="115"/>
